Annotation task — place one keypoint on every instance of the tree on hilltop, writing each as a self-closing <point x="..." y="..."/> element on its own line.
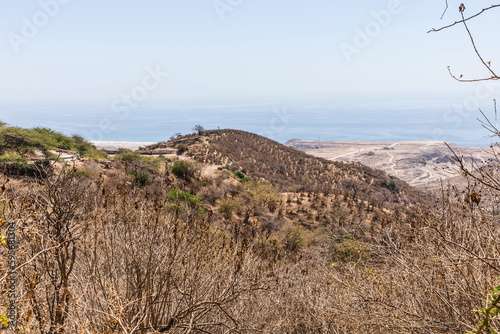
<point x="199" y="129"/>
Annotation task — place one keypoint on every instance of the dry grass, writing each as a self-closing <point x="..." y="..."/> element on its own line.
<point x="107" y="255"/>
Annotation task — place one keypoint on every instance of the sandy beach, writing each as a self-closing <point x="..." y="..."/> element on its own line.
<point x="111" y="145"/>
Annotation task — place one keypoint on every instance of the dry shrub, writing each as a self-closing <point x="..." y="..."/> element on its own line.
<point x="104" y="256"/>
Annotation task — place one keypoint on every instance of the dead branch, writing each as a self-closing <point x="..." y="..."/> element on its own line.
<point x="463" y="19"/>
<point x="445" y="10"/>
<point x="487" y="65"/>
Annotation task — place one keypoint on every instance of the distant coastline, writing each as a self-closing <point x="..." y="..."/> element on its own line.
<point x="280" y="122"/>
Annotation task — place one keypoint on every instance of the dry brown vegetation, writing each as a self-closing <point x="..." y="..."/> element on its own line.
<point x="294" y="171"/>
<point x="309" y="246"/>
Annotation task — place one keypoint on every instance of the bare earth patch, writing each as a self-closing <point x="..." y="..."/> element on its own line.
<point x="423" y="164"/>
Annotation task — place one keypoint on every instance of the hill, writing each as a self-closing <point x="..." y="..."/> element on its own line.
<point x="291" y="170"/>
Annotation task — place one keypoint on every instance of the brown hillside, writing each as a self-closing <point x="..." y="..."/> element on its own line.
<point x="294" y="171"/>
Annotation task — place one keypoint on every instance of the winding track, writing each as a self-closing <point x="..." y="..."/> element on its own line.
<point x="363" y="149"/>
<point x="391" y="159"/>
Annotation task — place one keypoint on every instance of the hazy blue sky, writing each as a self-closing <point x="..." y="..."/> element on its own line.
<point x="95" y="51"/>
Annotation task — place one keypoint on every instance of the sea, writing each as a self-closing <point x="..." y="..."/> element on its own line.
<point x="277" y="120"/>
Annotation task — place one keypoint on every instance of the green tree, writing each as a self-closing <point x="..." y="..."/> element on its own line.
<point x="21" y="141"/>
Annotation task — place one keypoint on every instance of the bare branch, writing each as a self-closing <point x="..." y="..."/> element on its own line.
<point x="488" y="125"/>
<point x="475" y="48"/>
<point x="445" y="10"/>
<point x="30" y="260"/>
<point x="469" y="80"/>
<point x="467" y="250"/>
<point x="463" y="20"/>
<point x="494" y="76"/>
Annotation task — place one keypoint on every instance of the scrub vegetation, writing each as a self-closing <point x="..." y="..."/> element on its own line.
<point x="240" y="234"/>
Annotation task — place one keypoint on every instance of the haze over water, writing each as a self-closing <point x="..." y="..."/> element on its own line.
<point x="280" y="121"/>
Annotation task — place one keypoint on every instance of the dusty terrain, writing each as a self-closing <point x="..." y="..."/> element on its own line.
<point x="424" y="164"/>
